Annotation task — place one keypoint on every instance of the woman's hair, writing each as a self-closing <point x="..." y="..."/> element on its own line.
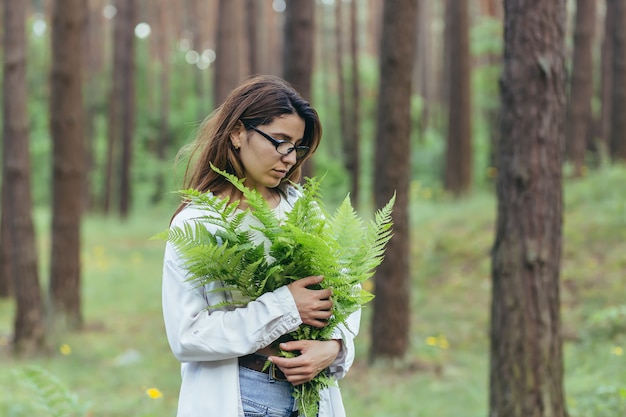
<point x="257" y="101"/>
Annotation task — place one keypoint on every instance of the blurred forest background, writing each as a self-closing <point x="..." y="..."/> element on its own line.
<point x="99" y="96"/>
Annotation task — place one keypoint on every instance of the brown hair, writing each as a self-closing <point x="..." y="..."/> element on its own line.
<point x="256" y="102"/>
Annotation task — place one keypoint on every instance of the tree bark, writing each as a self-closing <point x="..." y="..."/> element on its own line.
<point x="198" y="28"/>
<point x="526" y="360"/>
<point x="121" y="110"/>
<point x="18" y="232"/>
<point x="355" y="112"/>
<point x="618" y="99"/>
<point x="581" y="90"/>
<point x="298" y="53"/>
<point x="423" y="68"/>
<point x="606" y="80"/>
<point x="458" y="169"/>
<point x="67" y="131"/>
<point x="229" y="69"/>
<point x="163" y="38"/>
<point x="345" y="122"/>
<point x="391" y="319"/>
<point x="95" y="85"/>
<point x="126" y="100"/>
<point x="257" y="36"/>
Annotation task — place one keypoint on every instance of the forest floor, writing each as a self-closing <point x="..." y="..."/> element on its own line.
<point x="120" y="364"/>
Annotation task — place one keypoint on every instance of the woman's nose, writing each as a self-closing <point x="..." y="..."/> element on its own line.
<point x="290" y="158"/>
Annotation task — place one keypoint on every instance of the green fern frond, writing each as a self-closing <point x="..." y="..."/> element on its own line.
<point x="53" y="396"/>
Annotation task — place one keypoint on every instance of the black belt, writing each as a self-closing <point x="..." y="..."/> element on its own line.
<point x="257" y="362"/>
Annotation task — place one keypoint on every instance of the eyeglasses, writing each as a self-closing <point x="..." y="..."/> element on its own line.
<point x="283" y="147"/>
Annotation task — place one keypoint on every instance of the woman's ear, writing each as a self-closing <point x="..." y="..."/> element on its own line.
<point x="237" y="137"/>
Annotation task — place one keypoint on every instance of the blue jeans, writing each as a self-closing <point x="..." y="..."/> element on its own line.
<point x="262" y="396"/>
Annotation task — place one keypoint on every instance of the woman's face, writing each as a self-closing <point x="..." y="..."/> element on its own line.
<point x="263" y="166"/>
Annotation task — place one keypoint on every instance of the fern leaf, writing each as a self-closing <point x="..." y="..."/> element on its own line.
<point x="52" y="395"/>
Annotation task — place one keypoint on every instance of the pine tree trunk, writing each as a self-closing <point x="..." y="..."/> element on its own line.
<point x="18" y="232"/>
<point x="95" y="86"/>
<point x="275" y="41"/>
<point x="458" y="169"/>
<point x="127" y="15"/>
<point x="606" y="81"/>
<point x="257" y="36"/>
<point x="121" y="110"/>
<point x="345" y="126"/>
<point x="67" y="131"/>
<point x="228" y="66"/>
<point x="581" y="90"/>
<point x="526" y="369"/>
<point x="162" y="41"/>
<point x="391" y="319"/>
<point x="298" y="53"/>
<point x="424" y="74"/>
<point x="355" y="119"/>
<point x="618" y="100"/>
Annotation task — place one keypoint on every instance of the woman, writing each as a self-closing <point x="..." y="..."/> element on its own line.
<point x="263" y="133"/>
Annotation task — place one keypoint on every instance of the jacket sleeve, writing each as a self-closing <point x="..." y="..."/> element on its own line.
<point x="197" y="333"/>
<point x="345" y="332"/>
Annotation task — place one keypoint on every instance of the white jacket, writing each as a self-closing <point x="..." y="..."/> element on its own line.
<point x="208" y="342"/>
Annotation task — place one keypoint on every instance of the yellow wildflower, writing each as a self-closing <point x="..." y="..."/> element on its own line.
<point x="617" y="351"/>
<point x="154" y="393"/>
<point x="431" y="341"/>
<point x="65" y="349"/>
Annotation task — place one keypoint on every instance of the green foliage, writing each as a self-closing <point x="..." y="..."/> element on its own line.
<point x="53" y="397"/>
<point x="309" y="242"/>
<point x="609" y="322"/>
<point x="605" y="401"/>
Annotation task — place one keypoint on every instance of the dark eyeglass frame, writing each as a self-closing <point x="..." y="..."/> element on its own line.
<point x="301" y="151"/>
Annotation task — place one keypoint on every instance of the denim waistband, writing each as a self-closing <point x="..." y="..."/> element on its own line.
<point x="264" y="395"/>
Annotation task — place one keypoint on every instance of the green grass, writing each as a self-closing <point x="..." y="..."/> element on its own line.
<point x="123" y="351"/>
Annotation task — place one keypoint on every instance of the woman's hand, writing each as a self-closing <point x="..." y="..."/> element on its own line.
<point x="314" y="306"/>
<point x="315" y="356"/>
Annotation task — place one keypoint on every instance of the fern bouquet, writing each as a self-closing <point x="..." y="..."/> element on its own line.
<point x="342" y="248"/>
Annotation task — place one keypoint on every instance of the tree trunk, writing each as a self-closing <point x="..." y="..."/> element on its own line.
<point x="458" y="170"/>
<point x="275" y="42"/>
<point x="6" y="278"/>
<point x="298" y="52"/>
<point x="163" y="57"/>
<point x="526" y="369"/>
<point x="374" y="23"/>
<point x="18" y="232"/>
<point x="493" y="9"/>
<point x="618" y="100"/>
<point x="197" y="27"/>
<point x="121" y="107"/>
<point x="390" y="322"/>
<point x="257" y="36"/>
<point x="95" y="86"/>
<point x="354" y="161"/>
<point x="67" y="131"/>
<point x="606" y="82"/>
<point x="126" y="10"/>
<point x="228" y="66"/>
<point x="423" y="68"/>
<point x="345" y="121"/>
<point x="581" y="90"/>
